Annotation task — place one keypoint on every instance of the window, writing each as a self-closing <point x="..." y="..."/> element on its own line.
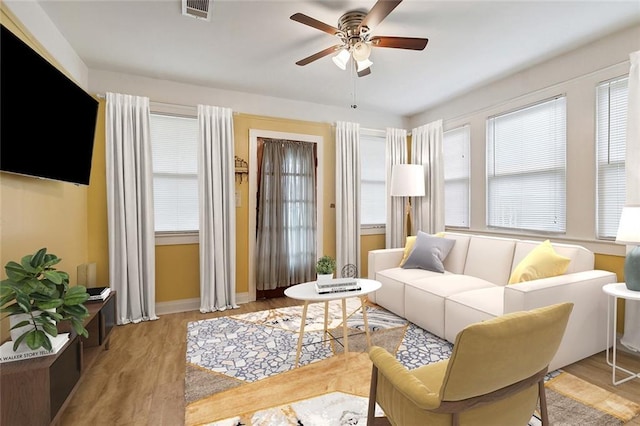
<point x="456" y="177"/>
<point x="526" y="168"/>
<point x="611" y="127"/>
<point x="175" y="172"/>
<point x="373" y="204"/>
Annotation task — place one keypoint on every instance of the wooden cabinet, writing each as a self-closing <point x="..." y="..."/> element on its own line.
<point x="35" y="391"/>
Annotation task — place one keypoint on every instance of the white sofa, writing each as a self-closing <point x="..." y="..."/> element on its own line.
<point x="474" y="288"/>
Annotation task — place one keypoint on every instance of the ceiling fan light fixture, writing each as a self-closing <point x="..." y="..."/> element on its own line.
<point x="363" y="65"/>
<point x="361" y="51"/>
<point x="341" y="59"/>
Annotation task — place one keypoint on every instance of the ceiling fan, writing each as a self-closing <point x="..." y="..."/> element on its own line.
<point x="356" y="40"/>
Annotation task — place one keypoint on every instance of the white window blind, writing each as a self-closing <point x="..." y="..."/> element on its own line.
<point x="456" y="176"/>
<point x="611" y="128"/>
<point x="526" y="168"/>
<point x="175" y="172"/>
<point x="373" y="205"/>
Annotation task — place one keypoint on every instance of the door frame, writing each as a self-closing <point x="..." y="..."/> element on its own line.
<point x="254" y="134"/>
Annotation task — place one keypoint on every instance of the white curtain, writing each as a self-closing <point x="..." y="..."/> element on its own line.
<point x="631" y="337"/>
<point x="426" y="149"/>
<point x="217" y="212"/>
<point x="347" y="195"/>
<point x="130" y="207"/>
<point x="396" y="153"/>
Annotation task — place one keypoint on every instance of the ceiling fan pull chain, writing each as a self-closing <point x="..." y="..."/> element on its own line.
<point x="354" y="104"/>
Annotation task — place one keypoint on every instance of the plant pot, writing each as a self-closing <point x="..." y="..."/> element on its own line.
<point x="324" y="277"/>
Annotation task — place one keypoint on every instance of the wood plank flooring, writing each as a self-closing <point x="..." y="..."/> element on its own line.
<point x="140" y="379"/>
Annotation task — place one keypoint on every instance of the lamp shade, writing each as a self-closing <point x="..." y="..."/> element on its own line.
<point x="629" y="227"/>
<point x="341" y="59"/>
<point x="407" y="180"/>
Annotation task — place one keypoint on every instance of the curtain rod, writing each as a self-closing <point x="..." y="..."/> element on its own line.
<point x="103" y="96"/>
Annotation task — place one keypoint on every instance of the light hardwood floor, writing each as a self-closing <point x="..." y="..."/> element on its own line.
<point x="140" y="379"/>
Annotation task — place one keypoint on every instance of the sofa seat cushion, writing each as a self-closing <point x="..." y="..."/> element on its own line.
<point x="463" y="309"/>
<point x="424" y="298"/>
<point x="391" y="295"/>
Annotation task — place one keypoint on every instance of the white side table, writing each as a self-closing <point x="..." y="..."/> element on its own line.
<point x="615" y="292"/>
<point x="308" y="293"/>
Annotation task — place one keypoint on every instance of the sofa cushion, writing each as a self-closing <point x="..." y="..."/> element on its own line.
<point x="462" y="309"/>
<point x="541" y="262"/>
<point x="490" y="258"/>
<point x="391" y="294"/>
<point x="424" y="298"/>
<point x="429" y="252"/>
<point x="458" y="255"/>
<point x="408" y="247"/>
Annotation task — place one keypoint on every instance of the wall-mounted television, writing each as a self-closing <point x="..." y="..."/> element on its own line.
<point x="47" y="122"/>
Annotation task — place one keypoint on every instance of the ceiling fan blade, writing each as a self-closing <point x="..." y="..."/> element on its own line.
<point x="411" y="43"/>
<point x="321" y="54"/>
<point x="378" y="12"/>
<point x="307" y="20"/>
<point x="365" y="72"/>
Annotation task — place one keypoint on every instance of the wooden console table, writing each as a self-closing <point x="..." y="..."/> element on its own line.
<point x="35" y="391"/>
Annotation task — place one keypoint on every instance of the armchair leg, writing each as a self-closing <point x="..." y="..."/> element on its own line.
<point x="371" y="413"/>
<point x="543" y="403"/>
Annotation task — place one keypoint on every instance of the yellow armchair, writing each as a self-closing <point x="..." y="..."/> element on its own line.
<point x="495" y="375"/>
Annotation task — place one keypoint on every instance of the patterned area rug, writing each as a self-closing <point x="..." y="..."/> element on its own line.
<point x="231" y="358"/>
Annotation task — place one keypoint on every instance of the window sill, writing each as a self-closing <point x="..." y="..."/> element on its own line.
<point x="176" y="238"/>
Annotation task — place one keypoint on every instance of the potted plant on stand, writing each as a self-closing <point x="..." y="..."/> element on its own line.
<point x="37" y="297"/>
<point x="325" y="267"/>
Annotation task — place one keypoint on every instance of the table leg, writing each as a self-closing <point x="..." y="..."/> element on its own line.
<point x="366" y="322"/>
<point x="302" y="323"/>
<point x="344" y="325"/>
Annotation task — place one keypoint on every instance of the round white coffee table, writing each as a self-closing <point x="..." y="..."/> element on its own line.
<point x="308" y="293"/>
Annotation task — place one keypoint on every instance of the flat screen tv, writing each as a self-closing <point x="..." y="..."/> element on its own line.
<point x="47" y="122"/>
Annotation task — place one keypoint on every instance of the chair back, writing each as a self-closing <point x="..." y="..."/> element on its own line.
<point x="496" y="353"/>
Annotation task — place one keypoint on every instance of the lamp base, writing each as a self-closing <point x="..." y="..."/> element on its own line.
<point x="632" y="269"/>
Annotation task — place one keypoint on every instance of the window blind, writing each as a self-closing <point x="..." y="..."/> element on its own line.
<point x="526" y="168"/>
<point x="175" y="172"/>
<point x="611" y="128"/>
<point x="373" y="205"/>
<point x="456" y="176"/>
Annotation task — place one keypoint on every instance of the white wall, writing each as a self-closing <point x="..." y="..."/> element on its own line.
<point x="575" y="75"/>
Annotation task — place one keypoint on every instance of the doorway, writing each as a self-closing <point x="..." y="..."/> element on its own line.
<point x="254" y="141"/>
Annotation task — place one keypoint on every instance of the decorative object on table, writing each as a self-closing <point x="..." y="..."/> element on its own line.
<point x="407" y="180"/>
<point x="325" y="267"/>
<point x="349" y="271"/>
<point x="37" y="297"/>
<point x="629" y="233"/>
<point x="337" y="285"/>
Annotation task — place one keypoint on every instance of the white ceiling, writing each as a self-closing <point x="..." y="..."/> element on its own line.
<point x="252" y="46"/>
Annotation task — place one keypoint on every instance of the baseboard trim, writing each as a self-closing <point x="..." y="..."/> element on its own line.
<point x="186" y="305"/>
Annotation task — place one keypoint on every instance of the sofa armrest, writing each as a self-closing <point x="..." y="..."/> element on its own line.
<point x="382" y="259"/>
<point x="586" y="332"/>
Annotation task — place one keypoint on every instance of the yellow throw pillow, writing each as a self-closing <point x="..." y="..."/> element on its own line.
<point x="541" y="262"/>
<point x="408" y="246"/>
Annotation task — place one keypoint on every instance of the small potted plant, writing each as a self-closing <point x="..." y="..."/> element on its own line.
<point x="36" y="297"/>
<point x="325" y="267"/>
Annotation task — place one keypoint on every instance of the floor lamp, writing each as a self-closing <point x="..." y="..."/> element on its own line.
<point x="407" y="180"/>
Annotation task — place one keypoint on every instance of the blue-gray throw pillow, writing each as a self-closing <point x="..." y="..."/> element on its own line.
<point x="429" y="252"/>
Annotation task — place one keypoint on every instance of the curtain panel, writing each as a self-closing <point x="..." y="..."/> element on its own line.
<point x="426" y="149"/>
<point x="130" y="218"/>
<point x="286" y="219"/>
<point x="347" y="195"/>
<point x="396" y="153"/>
<point x="217" y="211"/>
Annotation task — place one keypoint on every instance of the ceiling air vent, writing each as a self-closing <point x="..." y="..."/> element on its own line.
<point x="200" y="9"/>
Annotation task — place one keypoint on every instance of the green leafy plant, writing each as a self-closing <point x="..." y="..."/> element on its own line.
<point x="325" y="265"/>
<point x="34" y="287"/>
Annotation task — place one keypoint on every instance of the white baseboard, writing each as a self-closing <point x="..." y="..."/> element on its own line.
<point x="186" y="305"/>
